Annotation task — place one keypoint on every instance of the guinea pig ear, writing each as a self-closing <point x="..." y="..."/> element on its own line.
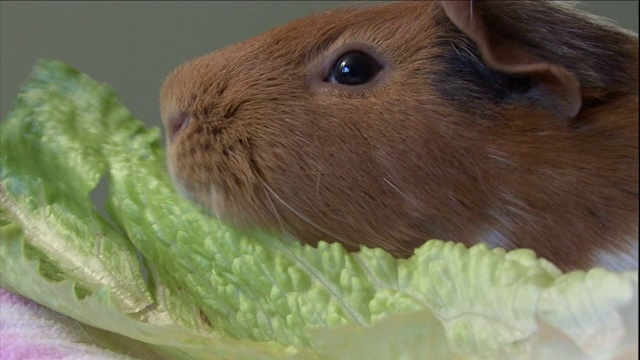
<point x="555" y="88"/>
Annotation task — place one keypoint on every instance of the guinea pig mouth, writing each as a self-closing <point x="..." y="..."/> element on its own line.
<point x="209" y="200"/>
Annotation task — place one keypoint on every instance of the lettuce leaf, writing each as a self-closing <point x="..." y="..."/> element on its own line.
<point x="159" y="271"/>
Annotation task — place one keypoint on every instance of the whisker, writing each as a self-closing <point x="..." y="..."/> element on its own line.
<point x="395" y="188"/>
<point x="273" y="206"/>
<point x="318" y="184"/>
<point x="305" y="219"/>
<point x="455" y="48"/>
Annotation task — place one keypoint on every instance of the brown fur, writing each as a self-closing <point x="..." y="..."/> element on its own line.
<point x="428" y="151"/>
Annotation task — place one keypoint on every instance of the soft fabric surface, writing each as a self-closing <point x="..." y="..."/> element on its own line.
<point x="29" y="331"/>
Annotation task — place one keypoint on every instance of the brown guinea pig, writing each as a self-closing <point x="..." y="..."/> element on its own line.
<point x="510" y="123"/>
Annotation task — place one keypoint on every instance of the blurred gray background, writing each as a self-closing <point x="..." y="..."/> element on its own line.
<point x="133" y="45"/>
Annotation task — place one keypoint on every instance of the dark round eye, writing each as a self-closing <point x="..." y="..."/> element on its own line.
<point x="354" y="68"/>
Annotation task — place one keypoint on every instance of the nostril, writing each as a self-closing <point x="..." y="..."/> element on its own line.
<point x="177" y="123"/>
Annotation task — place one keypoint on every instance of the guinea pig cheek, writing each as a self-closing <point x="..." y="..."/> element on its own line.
<point x="208" y="195"/>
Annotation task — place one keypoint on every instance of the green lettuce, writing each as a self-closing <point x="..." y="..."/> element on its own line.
<point x="157" y="270"/>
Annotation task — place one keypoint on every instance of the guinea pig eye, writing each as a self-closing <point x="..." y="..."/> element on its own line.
<point x="354" y="68"/>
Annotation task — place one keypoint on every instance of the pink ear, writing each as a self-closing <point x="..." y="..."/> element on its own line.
<point x="557" y="87"/>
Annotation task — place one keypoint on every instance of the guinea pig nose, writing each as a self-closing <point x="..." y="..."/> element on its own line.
<point x="177" y="123"/>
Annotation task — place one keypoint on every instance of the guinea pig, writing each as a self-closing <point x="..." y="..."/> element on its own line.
<point x="511" y="123"/>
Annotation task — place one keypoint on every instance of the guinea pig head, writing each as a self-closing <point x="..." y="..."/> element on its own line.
<point x="389" y="125"/>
